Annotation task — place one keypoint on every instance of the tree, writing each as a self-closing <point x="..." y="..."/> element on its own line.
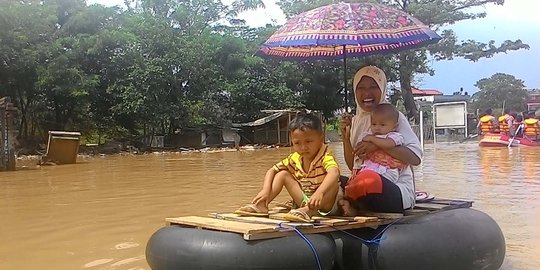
<point x="436" y="14"/>
<point x="497" y="89"/>
<point x="439" y="13"/>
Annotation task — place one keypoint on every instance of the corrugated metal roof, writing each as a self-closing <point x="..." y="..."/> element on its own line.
<point x="260" y="122"/>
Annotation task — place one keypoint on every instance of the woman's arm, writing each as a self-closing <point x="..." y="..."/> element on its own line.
<point x="345" y="128"/>
<point x="410" y="152"/>
<point x="404" y="154"/>
<point x="348" y="152"/>
<point x="400" y="153"/>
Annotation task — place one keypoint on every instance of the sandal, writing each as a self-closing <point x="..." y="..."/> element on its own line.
<point x="298" y="215"/>
<point x="251" y="210"/>
<point x="422" y="197"/>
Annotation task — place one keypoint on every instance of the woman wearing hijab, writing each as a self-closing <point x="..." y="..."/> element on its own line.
<point x="369" y="87"/>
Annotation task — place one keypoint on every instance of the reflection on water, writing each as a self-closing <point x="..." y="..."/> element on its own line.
<point x="99" y="213"/>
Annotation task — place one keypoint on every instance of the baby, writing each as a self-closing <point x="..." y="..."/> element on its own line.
<point x="384" y="123"/>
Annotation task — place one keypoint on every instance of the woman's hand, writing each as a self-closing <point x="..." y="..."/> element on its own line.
<point x="363" y="148"/>
<point x="345" y="125"/>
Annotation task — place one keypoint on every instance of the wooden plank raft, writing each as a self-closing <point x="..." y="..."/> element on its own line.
<point x="255" y="228"/>
<point x="442" y="204"/>
<point x="274" y="226"/>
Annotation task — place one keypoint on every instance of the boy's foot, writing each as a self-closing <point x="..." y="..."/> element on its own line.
<point x="347" y="209"/>
<point x="299" y="215"/>
<point x="252" y="210"/>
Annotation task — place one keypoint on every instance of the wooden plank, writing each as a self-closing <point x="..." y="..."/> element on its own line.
<point x="430" y="206"/>
<point x="440" y="206"/>
<point x="222" y="225"/>
<point x="254" y="228"/>
<point x="258" y="220"/>
<point x="331" y="221"/>
<point x="381" y="215"/>
<point x="414" y="212"/>
<point x="451" y="202"/>
<point x="278" y="216"/>
<point x="316" y="229"/>
<point x="365" y="219"/>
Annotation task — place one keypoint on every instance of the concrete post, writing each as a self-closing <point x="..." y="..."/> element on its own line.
<point x="8" y="134"/>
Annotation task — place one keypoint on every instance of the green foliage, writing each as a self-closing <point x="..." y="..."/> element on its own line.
<point x="497" y="89"/>
<point x="404" y="66"/>
<point x="164" y="65"/>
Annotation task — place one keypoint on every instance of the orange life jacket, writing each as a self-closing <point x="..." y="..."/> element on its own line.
<point x="531" y="127"/>
<point x="486" y="124"/>
<point x="503" y="125"/>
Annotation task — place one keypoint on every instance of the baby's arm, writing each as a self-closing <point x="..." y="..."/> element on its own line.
<point x="383" y="143"/>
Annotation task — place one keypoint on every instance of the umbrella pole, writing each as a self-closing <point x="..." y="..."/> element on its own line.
<point x="345" y="79"/>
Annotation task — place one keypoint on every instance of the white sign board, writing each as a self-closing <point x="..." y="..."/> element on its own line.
<point x="450" y="114"/>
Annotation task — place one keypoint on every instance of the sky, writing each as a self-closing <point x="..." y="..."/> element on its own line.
<point x="516" y="19"/>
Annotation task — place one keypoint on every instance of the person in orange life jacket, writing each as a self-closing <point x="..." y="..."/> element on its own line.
<point x="531" y="128"/>
<point x="506" y="123"/>
<point x="487" y="123"/>
<point x="518" y="122"/>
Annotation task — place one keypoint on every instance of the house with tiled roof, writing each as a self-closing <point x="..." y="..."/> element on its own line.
<point x="427" y="95"/>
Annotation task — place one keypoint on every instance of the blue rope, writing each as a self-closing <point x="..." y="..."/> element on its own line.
<point x="282" y="225"/>
<point x="376" y="240"/>
<point x="309" y="244"/>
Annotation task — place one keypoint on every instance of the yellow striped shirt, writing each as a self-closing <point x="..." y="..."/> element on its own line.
<point x="313" y="178"/>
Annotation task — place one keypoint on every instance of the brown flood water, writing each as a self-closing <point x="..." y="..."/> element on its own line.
<point x="99" y="213"/>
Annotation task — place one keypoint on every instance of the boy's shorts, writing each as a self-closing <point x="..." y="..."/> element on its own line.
<point x="334" y="210"/>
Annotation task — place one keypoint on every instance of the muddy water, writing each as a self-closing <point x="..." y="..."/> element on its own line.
<point x="99" y="213"/>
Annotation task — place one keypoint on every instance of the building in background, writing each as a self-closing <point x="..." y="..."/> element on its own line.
<point x="533" y="100"/>
<point x="427" y="95"/>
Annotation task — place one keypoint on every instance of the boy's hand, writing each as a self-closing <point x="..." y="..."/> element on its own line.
<point x="315" y="200"/>
<point x="262" y="196"/>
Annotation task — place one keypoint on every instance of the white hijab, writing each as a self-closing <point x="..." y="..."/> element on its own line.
<point x="361" y="122"/>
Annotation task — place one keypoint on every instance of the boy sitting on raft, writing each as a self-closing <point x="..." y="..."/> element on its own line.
<point x="310" y="175"/>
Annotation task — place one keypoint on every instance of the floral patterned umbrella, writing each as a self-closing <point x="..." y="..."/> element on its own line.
<point x="341" y="30"/>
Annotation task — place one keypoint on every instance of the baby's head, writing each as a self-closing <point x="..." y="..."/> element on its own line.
<point x="384" y="119"/>
<point x="306" y="134"/>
